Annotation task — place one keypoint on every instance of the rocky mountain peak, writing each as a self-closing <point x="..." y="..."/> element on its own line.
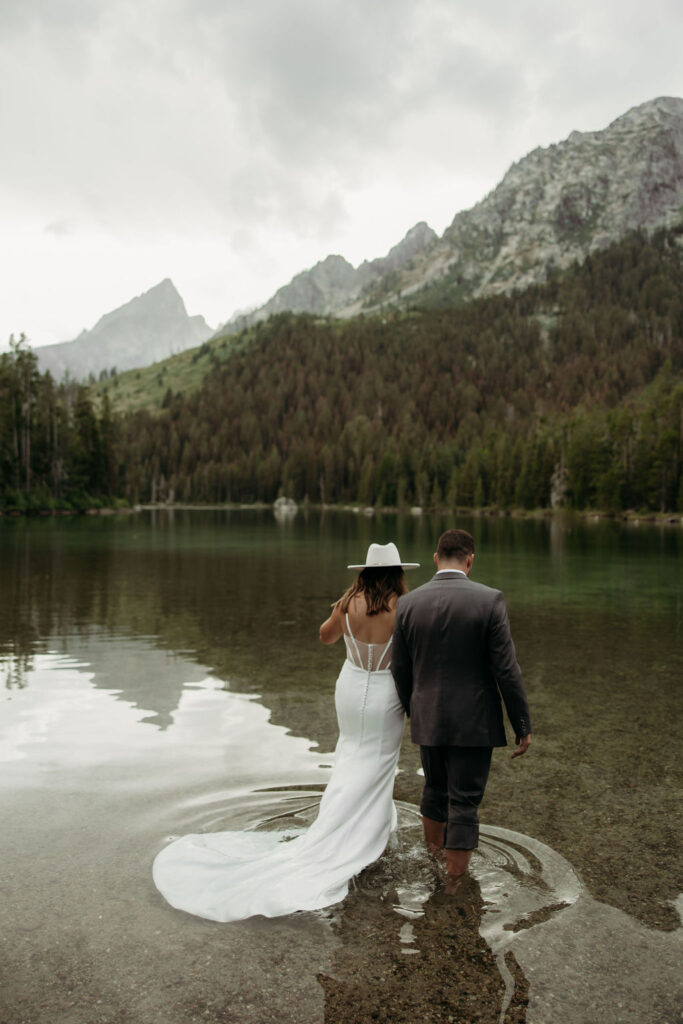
<point x="560" y="202"/>
<point x="165" y="291"/>
<point x="161" y="303"/>
<point x="333" y="283"/>
<point x="310" y="291"/>
<point x="657" y="111"/>
<point x="149" y="327"/>
<point x="552" y="207"/>
<point x="419" y="238"/>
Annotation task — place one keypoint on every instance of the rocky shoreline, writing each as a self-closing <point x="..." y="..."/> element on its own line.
<point x="630" y="517"/>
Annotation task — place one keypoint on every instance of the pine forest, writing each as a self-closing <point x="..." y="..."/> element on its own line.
<point x="567" y="394"/>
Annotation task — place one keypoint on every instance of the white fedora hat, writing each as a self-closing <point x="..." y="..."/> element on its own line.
<point x="384" y="556"/>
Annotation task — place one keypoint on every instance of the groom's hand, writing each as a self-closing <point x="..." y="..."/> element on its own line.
<point x="523" y="744"/>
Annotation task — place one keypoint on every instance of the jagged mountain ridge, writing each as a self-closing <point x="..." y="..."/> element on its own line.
<point x="333" y="282"/>
<point x="150" y="327"/>
<point x="551" y="208"/>
<point x="560" y="203"/>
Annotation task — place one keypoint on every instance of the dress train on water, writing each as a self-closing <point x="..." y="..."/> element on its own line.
<point x="228" y="876"/>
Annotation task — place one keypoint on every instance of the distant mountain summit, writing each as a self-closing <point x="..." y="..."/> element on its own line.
<point x="150" y="327"/>
<point x="331" y="284"/>
<point x="562" y="202"/>
<point x="552" y="207"/>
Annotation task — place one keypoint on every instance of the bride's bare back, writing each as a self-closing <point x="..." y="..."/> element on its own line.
<point x="371" y="629"/>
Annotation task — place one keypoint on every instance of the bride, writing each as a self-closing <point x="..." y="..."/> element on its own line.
<point x="228" y="876"/>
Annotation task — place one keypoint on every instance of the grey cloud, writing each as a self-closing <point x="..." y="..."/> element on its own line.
<point x="48" y="15"/>
<point x="465" y="76"/>
<point x="59" y="228"/>
<point x="258" y="115"/>
<point x="318" y="77"/>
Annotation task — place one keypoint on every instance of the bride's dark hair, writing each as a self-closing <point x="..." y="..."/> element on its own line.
<point x="377" y="586"/>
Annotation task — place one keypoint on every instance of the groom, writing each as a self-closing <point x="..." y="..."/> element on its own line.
<point x="452" y="658"/>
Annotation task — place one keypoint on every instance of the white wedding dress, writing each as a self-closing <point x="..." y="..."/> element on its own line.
<point x="228" y="876"/>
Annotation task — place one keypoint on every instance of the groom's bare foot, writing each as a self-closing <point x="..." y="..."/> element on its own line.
<point x="454" y="883"/>
<point x="463" y="895"/>
<point x="457" y="863"/>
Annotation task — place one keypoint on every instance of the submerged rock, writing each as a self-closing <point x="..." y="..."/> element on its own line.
<point x="285" y="508"/>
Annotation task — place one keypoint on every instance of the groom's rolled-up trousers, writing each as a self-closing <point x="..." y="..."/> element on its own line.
<point x="455" y="780"/>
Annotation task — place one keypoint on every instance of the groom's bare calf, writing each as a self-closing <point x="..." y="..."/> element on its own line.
<point x="434" y="834"/>
<point x="457" y="861"/>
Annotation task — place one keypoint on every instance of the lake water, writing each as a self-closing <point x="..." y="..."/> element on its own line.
<point x="162" y="674"/>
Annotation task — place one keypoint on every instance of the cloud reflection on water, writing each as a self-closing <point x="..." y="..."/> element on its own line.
<point x="83" y="709"/>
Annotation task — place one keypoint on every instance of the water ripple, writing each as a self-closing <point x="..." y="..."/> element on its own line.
<point x="522" y="881"/>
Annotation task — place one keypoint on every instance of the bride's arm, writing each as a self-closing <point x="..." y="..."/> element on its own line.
<point x="332" y="628"/>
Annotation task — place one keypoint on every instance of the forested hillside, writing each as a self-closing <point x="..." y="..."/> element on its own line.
<point x="570" y="392"/>
<point x="56" y="451"/>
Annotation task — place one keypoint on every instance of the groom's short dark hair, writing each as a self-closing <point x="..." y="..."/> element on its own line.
<point x="455" y="545"/>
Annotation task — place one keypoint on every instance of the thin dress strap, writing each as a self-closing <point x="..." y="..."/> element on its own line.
<point x="355" y="644"/>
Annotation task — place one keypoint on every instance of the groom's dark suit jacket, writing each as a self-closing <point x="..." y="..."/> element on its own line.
<point x="452" y="658"/>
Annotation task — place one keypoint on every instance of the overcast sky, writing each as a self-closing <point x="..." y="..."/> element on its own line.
<point x="229" y="144"/>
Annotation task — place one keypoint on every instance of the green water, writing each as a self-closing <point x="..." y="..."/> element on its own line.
<point x="125" y="640"/>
